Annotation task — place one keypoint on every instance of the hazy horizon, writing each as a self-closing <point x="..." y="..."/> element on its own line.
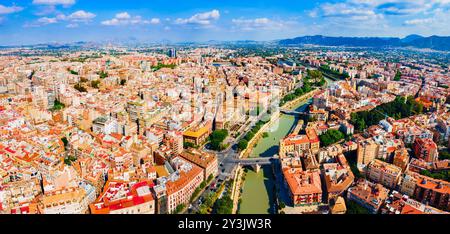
<point x="65" y="21"/>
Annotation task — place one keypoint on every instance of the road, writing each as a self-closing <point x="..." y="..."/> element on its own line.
<point x="226" y="169"/>
<point x="226" y="166"/>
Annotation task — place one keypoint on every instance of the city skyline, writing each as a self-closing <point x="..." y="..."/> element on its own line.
<point x="61" y="21"/>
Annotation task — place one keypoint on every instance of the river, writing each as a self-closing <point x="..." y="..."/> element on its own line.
<point x="258" y="190"/>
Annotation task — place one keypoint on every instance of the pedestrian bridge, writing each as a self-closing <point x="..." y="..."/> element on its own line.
<point x="292" y="112"/>
<point x="254" y="162"/>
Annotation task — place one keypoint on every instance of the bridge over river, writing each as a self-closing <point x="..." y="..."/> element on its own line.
<point x="293" y="112"/>
<point x="256" y="163"/>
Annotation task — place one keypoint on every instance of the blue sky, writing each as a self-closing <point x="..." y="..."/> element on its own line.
<point x="40" y="21"/>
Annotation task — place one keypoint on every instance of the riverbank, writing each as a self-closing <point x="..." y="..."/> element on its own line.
<point x="273" y="124"/>
<point x="295" y="103"/>
<point x="251" y="144"/>
<point x="258" y="196"/>
<point x="258" y="189"/>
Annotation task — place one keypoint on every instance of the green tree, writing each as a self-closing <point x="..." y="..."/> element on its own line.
<point x="95" y="84"/>
<point x="70" y="159"/>
<point x="440" y="175"/>
<point x="331" y="136"/>
<point x="102" y="74"/>
<point x="195" y="194"/>
<point x="249" y="136"/>
<point x="210" y="177"/>
<point x="203" y="209"/>
<point x="398" y="76"/>
<point x="58" y="105"/>
<point x="160" y="65"/>
<point x="187" y="144"/>
<point x="298" y="92"/>
<point x="444" y="154"/>
<point x="80" y="87"/>
<point x="224" y="205"/>
<point x="217" y="137"/>
<point x="209" y="199"/>
<point x="282" y="205"/>
<point x="65" y="141"/>
<point x="242" y="145"/>
<point x="355" y="208"/>
<point x="399" y="108"/>
<point x="179" y="208"/>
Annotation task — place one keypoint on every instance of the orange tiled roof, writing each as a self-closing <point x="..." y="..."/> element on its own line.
<point x="302" y="182"/>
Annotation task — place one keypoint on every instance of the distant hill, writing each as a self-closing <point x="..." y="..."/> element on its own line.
<point x="433" y="42"/>
<point x="342" y="41"/>
<point x="411" y="38"/>
<point x="417" y="41"/>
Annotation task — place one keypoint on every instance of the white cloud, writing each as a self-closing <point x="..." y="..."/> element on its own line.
<point x="374" y="8"/>
<point x="382" y="17"/>
<point x="204" y="18"/>
<point x="418" y="21"/>
<point x="345" y="10"/>
<point x="73" y="19"/>
<point x="155" y="21"/>
<point x="257" y="24"/>
<point x="81" y="16"/>
<point x="9" y="10"/>
<point x="403" y="8"/>
<point x="47" y="20"/>
<point x="61" y="17"/>
<point x="123" y="15"/>
<point x="123" y="18"/>
<point x="54" y="2"/>
<point x="111" y="22"/>
<point x="77" y="16"/>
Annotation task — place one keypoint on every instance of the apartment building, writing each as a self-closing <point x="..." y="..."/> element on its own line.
<point x="206" y="161"/>
<point x="119" y="197"/>
<point x="304" y="187"/>
<point x="294" y="143"/>
<point x="433" y="192"/>
<point x="338" y="177"/>
<point x="425" y="149"/>
<point x="182" y="183"/>
<point x="367" y="194"/>
<point x="383" y="173"/>
<point x="366" y="152"/>
<point x="197" y="135"/>
<point x="65" y="201"/>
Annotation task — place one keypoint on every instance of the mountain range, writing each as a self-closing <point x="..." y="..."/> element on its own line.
<point x="416" y="41"/>
<point x="441" y="43"/>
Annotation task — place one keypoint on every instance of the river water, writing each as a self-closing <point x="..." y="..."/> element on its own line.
<point x="258" y="190"/>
